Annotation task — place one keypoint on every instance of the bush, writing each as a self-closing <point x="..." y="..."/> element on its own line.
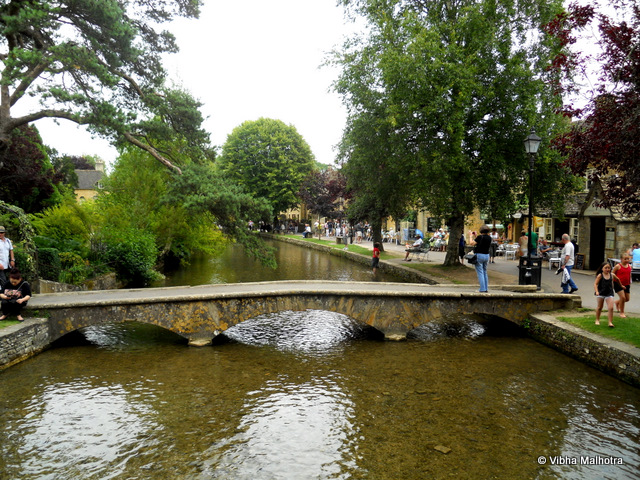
<point x="74" y="268"/>
<point x="132" y="254"/>
<point x="49" y="265"/>
<point x="21" y="259"/>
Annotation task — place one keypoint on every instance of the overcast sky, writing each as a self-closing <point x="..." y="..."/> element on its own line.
<point x="245" y="60"/>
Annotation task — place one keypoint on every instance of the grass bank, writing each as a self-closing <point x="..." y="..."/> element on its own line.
<point x="626" y="330"/>
<point x="8" y="323"/>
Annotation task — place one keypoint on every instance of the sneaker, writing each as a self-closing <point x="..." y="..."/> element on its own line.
<point x="573" y="290"/>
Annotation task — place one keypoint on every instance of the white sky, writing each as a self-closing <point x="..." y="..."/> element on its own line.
<point x="245" y="60"/>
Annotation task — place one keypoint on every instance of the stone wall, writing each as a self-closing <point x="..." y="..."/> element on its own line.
<point x="104" y="282"/>
<point x="21" y="341"/>
<point x="615" y="358"/>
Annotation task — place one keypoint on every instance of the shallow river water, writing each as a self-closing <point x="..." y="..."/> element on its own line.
<point x="315" y="395"/>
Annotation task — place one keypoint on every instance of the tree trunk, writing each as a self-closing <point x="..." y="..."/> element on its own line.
<point x="456" y="228"/>
<point x="376" y="232"/>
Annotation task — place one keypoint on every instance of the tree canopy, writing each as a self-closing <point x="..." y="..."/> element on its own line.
<point x="605" y="139"/>
<point x="27" y="177"/>
<point x="269" y="159"/>
<point x="321" y="191"/>
<point x="97" y="64"/>
<point x="451" y="89"/>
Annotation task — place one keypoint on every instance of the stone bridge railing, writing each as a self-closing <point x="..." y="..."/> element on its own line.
<point x="201" y="313"/>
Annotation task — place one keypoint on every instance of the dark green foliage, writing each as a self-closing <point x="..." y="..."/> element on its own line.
<point x="49" y="265"/>
<point x="75" y="269"/>
<point x="28" y="178"/>
<point x="21" y="258"/>
<point x="132" y="254"/>
<point x="199" y="189"/>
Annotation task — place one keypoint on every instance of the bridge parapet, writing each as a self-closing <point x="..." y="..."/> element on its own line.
<point x="201" y="313"/>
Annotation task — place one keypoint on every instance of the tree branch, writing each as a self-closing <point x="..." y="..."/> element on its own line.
<point x="152" y="151"/>
<point x="31" y="76"/>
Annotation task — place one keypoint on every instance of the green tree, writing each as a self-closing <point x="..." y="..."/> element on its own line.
<point x="269" y="159"/>
<point x="202" y="190"/>
<point x="135" y="197"/>
<point x="375" y="178"/>
<point x="97" y="64"/>
<point x="455" y="88"/>
<point x="28" y="179"/>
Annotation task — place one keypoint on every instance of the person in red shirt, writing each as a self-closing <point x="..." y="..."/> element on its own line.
<point x="376" y="257"/>
<point x="623" y="272"/>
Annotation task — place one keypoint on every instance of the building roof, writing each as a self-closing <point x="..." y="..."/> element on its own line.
<point x="88" y="179"/>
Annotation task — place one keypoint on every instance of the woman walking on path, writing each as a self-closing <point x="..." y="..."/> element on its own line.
<point x="604" y="291"/>
<point x="623" y="272"/>
<point x="483" y="246"/>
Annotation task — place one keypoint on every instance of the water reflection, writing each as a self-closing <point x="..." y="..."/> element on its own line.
<point x="289" y="430"/>
<point x="311" y="332"/>
<point x="294" y="263"/>
<point x="81" y="428"/>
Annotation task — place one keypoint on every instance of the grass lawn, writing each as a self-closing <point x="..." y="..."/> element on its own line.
<point x="626" y="329"/>
<point x="7" y="323"/>
<point x="351" y="247"/>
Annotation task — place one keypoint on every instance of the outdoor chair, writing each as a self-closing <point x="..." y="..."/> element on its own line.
<point x="510" y="251"/>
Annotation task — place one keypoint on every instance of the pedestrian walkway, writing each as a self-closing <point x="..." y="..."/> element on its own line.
<point x="509" y="273"/>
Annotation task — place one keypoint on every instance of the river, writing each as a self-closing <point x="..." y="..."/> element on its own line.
<point x="315" y="395"/>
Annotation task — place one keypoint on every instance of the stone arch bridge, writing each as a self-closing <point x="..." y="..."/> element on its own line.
<point x="201" y="313"/>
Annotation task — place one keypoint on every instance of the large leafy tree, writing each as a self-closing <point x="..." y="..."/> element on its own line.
<point x="269" y="159"/>
<point x="453" y="88"/>
<point x="97" y="64"/>
<point x="375" y="176"/>
<point x="605" y="140"/>
<point x="27" y="177"/>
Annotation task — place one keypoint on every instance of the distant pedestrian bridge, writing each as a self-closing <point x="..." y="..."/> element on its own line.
<point x="200" y="313"/>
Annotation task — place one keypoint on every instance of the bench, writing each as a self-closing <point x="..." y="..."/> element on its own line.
<point x="421" y="255"/>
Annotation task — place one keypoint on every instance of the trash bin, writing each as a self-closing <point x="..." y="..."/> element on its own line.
<point x="530" y="272"/>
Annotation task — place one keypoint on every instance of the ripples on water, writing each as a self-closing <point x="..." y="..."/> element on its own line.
<point x="309" y="395"/>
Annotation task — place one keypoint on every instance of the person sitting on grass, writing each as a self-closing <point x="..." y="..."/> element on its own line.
<point x="14" y="295"/>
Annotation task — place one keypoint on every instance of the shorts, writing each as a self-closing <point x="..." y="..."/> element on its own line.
<point x="374" y="262"/>
<point x="625" y="288"/>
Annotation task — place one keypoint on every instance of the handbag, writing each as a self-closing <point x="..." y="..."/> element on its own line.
<point x="471" y="258"/>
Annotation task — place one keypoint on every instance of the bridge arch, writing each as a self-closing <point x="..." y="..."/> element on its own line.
<point x="201" y="313"/>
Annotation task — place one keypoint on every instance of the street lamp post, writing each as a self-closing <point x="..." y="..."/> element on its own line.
<point x="531" y="144"/>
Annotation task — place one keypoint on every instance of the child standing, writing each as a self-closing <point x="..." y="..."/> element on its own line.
<point x="604" y="291"/>
<point x="376" y="257"/>
<point x="623" y="272"/>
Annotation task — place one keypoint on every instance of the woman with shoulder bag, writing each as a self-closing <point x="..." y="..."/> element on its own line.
<point x="482" y="248"/>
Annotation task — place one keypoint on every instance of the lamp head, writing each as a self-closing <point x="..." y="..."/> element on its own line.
<point x="532" y="142"/>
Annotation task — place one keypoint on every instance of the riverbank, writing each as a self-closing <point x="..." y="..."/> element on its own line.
<point x="611" y="356"/>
